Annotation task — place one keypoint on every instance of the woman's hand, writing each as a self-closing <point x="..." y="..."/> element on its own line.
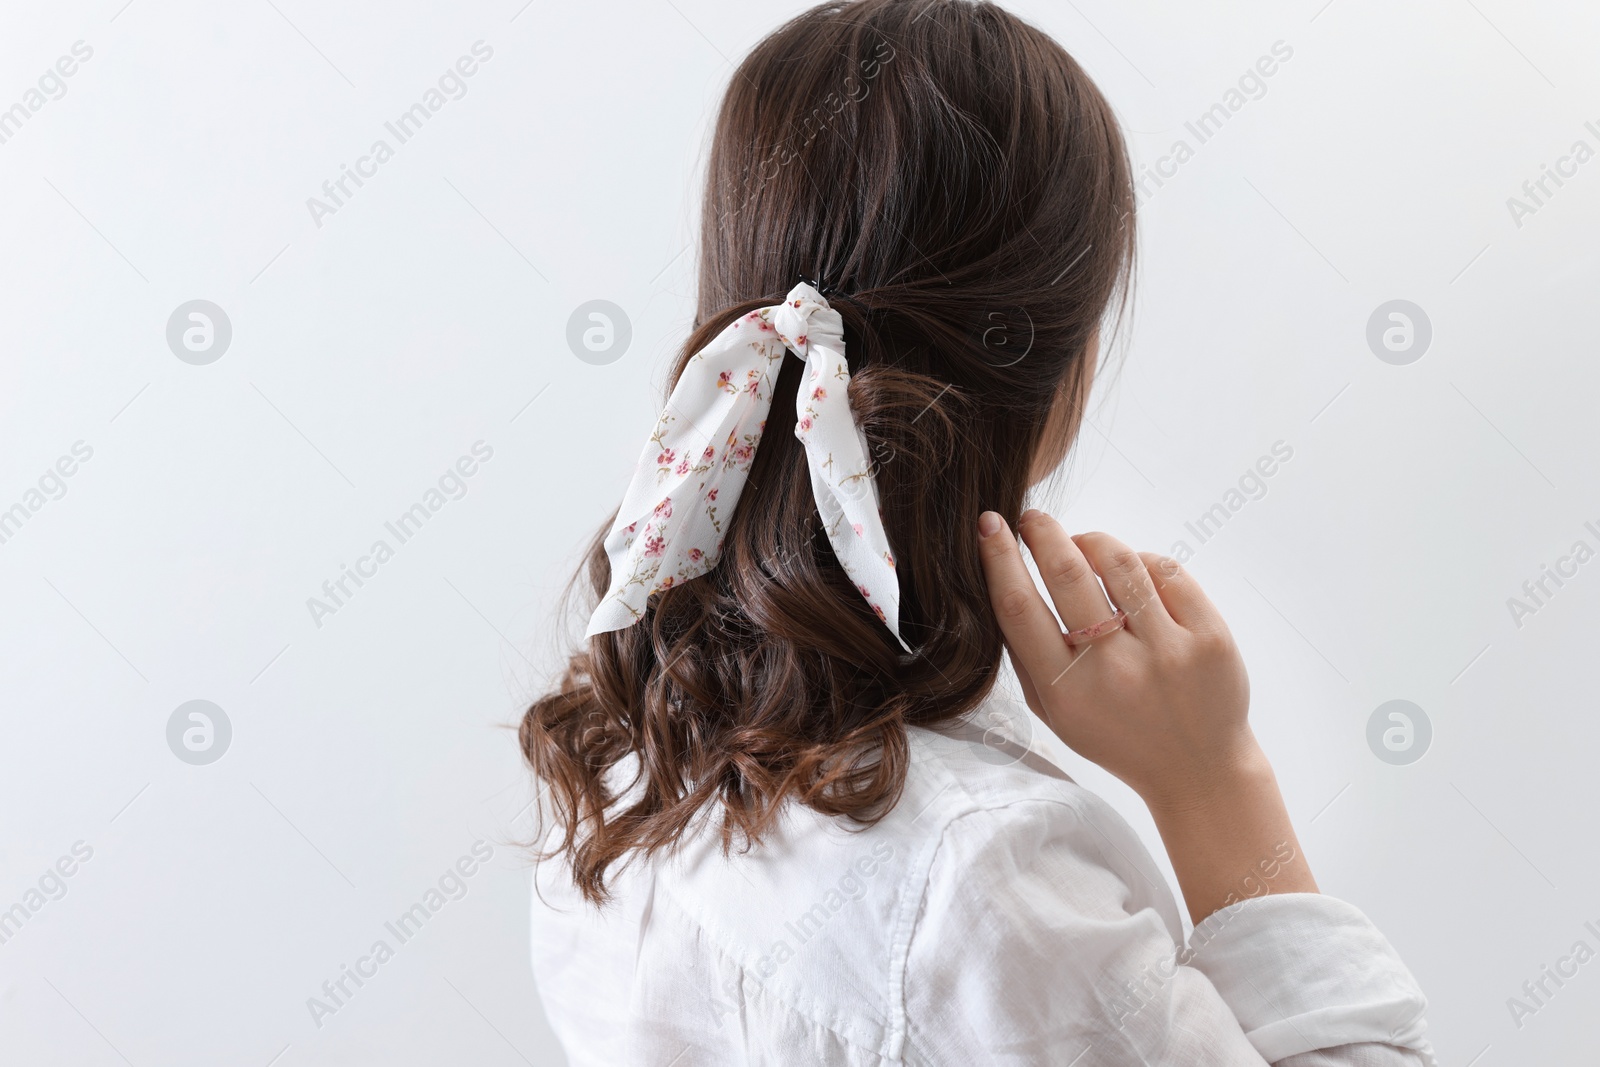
<point x="1161" y="703"/>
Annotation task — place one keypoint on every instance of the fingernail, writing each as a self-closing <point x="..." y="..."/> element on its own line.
<point x="990" y="523"/>
<point x="1028" y="516"/>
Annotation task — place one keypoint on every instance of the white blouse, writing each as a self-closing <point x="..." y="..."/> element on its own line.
<point x="1000" y="914"/>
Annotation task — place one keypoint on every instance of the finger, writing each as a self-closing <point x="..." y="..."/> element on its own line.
<point x="1185" y="601"/>
<point x="1126" y="580"/>
<point x="1030" y="630"/>
<point x="1066" y="572"/>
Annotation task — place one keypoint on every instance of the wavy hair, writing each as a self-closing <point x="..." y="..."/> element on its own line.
<point x="961" y="188"/>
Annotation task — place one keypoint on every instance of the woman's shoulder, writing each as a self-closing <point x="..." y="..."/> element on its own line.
<point x="984" y="789"/>
<point x="993" y="764"/>
<point x="817" y="923"/>
<point x="984" y="774"/>
<point x="822" y="906"/>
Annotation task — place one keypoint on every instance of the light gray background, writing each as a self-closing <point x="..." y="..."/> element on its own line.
<point x="430" y="312"/>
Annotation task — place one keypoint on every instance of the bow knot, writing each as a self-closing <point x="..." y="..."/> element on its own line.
<point x="670" y="526"/>
<point x="800" y="319"/>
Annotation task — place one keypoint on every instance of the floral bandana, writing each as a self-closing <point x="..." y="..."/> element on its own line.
<point x="669" y="528"/>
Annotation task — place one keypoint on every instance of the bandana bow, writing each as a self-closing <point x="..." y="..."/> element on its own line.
<point x="670" y="526"/>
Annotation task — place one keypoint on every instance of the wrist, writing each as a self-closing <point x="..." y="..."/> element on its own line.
<point x="1242" y="773"/>
<point x="1230" y="837"/>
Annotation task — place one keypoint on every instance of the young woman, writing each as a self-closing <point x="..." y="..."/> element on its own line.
<point x="775" y="834"/>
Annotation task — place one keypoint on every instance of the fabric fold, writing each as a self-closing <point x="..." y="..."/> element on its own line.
<point x="1334" y="978"/>
<point x="693" y="468"/>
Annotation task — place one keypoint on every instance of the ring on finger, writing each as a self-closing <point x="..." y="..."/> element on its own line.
<point x="1074" y="638"/>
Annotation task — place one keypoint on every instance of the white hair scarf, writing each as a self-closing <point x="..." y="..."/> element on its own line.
<point x="670" y="526"/>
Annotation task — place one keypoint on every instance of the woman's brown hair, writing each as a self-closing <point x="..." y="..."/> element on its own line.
<point x="960" y="188"/>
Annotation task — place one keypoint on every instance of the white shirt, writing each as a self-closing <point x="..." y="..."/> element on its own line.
<point x="1000" y="914"/>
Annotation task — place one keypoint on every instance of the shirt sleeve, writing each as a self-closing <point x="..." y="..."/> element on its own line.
<point x="1034" y="944"/>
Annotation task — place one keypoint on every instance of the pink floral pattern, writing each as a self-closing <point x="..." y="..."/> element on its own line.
<point x="693" y="468"/>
